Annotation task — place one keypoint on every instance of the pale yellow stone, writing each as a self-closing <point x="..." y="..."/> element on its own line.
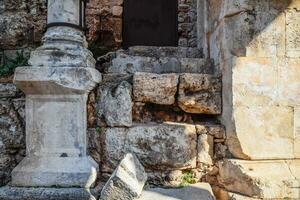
<point x="292" y="33"/>
<point x="297" y="131"/>
<point x="274" y="179"/>
<point x="289" y="81"/>
<point x="254" y="81"/>
<point x="264" y="132"/>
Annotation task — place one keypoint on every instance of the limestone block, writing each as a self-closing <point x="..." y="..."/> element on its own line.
<point x="7" y="90"/>
<point x="254" y="81"/>
<point x="297" y="131"/>
<point x="205" y="149"/>
<point x="277" y="179"/>
<point x="272" y="128"/>
<point x="166" y="146"/>
<point x="179" y="52"/>
<point x="230" y="8"/>
<point x="50" y="80"/>
<point x="292" y="32"/>
<point x="289" y="82"/>
<point x="155" y="88"/>
<point x="55" y="171"/>
<point x="197" y="191"/>
<point x="215" y="130"/>
<point x="129" y="64"/>
<point x="126" y="182"/>
<point x="200" y="93"/>
<point x="222" y="194"/>
<point x="114" y="104"/>
<point x="19" y="193"/>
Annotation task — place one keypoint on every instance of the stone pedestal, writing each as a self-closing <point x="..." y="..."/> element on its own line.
<point x="56" y="127"/>
<point x="56" y="86"/>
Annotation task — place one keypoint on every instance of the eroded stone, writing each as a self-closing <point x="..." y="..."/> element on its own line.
<point x="155" y="88"/>
<point x="127" y="181"/>
<point x="200" y="93"/>
<point x="261" y="179"/>
<point x="165" y="146"/>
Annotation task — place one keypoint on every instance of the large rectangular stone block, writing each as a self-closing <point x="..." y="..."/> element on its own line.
<point x="289" y="81"/>
<point x="165" y="146"/>
<point x="274" y="179"/>
<point x="200" y="93"/>
<point x="155" y="88"/>
<point x="263" y="132"/>
<point x="254" y="81"/>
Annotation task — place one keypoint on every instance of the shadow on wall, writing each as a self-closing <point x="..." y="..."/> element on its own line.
<point x="257" y="29"/>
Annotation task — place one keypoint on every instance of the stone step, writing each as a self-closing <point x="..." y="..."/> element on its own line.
<point x="152" y="51"/>
<point x="199" y="191"/>
<point x="273" y="179"/>
<point x="125" y="63"/>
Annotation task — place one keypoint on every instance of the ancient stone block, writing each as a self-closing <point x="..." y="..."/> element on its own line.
<point x="155" y="88"/>
<point x="192" y="192"/>
<point x="114" y="104"/>
<point x="166" y="146"/>
<point x="292" y="32"/>
<point x="217" y="131"/>
<point x="7" y="90"/>
<point x="274" y="138"/>
<point x="205" y="149"/>
<point x="200" y="93"/>
<point x="130" y="64"/>
<point x="127" y="181"/>
<point x="289" y="81"/>
<point x="254" y="81"/>
<point x="261" y="179"/>
<point x="19" y="193"/>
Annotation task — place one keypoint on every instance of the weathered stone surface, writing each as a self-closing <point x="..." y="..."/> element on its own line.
<point x="199" y="93"/>
<point x="179" y="52"/>
<point x="215" y="130"/>
<point x="155" y="88"/>
<point x="23" y="193"/>
<point x="114" y="104"/>
<point x="274" y="138"/>
<point x="192" y="192"/>
<point x="124" y="63"/>
<point x="127" y="181"/>
<point x="205" y="149"/>
<point x="165" y="146"/>
<point x="292" y="32"/>
<point x="289" y="81"/>
<point x="22" y="22"/>
<point x="7" y="90"/>
<point x="222" y="194"/>
<point x="261" y="179"/>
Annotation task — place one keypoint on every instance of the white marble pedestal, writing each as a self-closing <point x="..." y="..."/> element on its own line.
<point x="56" y="127"/>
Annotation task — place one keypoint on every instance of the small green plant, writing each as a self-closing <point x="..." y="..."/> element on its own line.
<point x="8" y="66"/>
<point x="187" y="179"/>
<point x="99" y="129"/>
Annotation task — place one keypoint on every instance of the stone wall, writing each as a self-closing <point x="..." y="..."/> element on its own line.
<point x="162" y="105"/>
<point x="12" y="125"/>
<point x="256" y="46"/>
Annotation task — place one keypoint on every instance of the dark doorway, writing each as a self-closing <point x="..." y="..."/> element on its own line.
<point x="150" y="23"/>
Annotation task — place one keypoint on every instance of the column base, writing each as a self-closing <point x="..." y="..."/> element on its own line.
<point x="22" y="193"/>
<point x="55" y="172"/>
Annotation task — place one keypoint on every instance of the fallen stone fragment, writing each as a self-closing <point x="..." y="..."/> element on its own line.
<point x="127" y="181"/>
<point x="199" y="191"/>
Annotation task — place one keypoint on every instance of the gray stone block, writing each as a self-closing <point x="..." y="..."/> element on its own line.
<point x="22" y="193"/>
<point x="199" y="191"/>
<point x="127" y="181"/>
